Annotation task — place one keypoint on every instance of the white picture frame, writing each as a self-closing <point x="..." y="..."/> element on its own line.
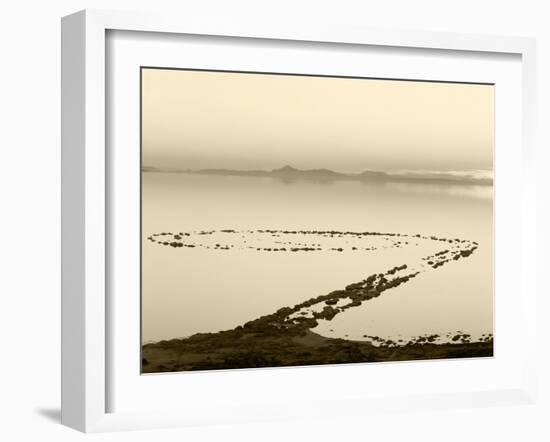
<point x="86" y="357"/>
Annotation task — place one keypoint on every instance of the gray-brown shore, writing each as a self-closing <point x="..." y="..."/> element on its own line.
<point x="259" y="347"/>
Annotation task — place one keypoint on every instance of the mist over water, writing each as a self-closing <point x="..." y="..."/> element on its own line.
<point x="188" y="291"/>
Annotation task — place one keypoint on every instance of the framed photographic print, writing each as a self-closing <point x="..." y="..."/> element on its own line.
<point x="288" y="245"/>
<point x="292" y="222"/>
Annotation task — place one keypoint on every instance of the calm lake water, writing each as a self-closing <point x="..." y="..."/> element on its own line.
<point x="192" y="290"/>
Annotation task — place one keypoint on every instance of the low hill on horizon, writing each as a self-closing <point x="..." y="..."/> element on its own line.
<point x="288" y="172"/>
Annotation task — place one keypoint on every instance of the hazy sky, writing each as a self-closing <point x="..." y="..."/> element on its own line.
<point x="196" y="120"/>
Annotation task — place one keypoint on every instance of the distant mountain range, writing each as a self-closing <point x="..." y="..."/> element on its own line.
<point x="290" y="173"/>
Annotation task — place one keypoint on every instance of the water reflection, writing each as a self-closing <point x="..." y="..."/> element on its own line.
<point x="445" y="190"/>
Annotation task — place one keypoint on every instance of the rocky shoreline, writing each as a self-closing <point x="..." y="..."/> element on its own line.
<point x="284" y="338"/>
<point x="258" y="346"/>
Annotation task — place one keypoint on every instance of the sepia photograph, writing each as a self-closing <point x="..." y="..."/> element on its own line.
<point x="297" y="220"/>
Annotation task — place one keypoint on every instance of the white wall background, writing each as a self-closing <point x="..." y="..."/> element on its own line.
<point x="30" y="221"/>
